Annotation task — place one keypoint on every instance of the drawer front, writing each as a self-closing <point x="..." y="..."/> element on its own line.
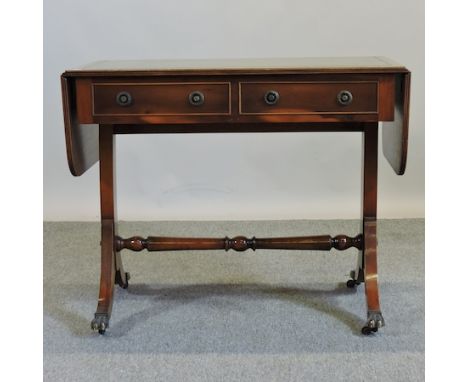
<point x="308" y="97"/>
<point x="197" y="98"/>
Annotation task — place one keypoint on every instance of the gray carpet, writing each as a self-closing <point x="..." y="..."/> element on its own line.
<point x="217" y="316"/>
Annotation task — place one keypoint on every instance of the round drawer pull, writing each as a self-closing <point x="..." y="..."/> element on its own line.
<point x="124" y="99"/>
<point x="271" y="97"/>
<point x="345" y="97"/>
<point x="196" y="98"/>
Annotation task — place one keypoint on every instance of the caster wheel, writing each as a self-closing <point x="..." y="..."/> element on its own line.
<point x="118" y="279"/>
<point x="367" y="330"/>
<point x="352" y="283"/>
<point x="127" y="277"/>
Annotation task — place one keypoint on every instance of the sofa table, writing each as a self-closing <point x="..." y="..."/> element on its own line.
<point x="228" y="96"/>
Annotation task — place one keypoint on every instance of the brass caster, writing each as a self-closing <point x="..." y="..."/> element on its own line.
<point x="352" y="283"/>
<point x="118" y="279"/>
<point x="367" y="330"/>
<point x="374" y="322"/>
<point x="100" y="323"/>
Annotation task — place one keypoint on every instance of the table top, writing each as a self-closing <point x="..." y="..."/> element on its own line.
<point x="372" y="64"/>
<point x="85" y="87"/>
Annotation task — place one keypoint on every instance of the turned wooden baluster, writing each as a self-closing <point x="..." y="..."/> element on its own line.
<point x="239" y="243"/>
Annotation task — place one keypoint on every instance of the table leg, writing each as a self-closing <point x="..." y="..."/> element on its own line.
<point x="369" y="252"/>
<point x="366" y="270"/>
<point x="111" y="264"/>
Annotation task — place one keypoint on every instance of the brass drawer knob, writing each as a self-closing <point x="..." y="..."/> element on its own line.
<point x="124" y="99"/>
<point x="196" y="98"/>
<point x="344" y="97"/>
<point x="271" y="97"/>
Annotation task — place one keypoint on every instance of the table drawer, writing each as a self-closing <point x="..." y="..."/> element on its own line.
<point x="197" y="98"/>
<point x="308" y="97"/>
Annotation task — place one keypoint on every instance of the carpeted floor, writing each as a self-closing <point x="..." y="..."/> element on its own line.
<point x="217" y="316"/>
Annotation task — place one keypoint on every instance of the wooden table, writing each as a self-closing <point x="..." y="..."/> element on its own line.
<point x="264" y="95"/>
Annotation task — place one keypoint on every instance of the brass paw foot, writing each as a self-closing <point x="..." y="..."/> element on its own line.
<point x="100" y="323"/>
<point x="374" y="322"/>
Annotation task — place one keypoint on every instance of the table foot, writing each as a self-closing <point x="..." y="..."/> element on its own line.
<point x="374" y="315"/>
<point x="375" y="321"/>
<point x="108" y="277"/>
<point x="100" y="323"/>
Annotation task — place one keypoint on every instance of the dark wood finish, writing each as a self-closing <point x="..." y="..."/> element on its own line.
<point x="111" y="264"/>
<point x="239" y="128"/>
<point x="386" y="97"/>
<point x="306" y="65"/>
<point x="81" y="140"/>
<point x="308" y="97"/>
<point x="161" y="99"/>
<point x="395" y="134"/>
<point x="251" y="120"/>
<point x="238" y="243"/>
<point x="161" y="112"/>
<point x="234" y="93"/>
<point x="370" y="218"/>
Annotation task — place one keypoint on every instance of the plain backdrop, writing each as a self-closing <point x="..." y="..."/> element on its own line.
<point x="231" y="176"/>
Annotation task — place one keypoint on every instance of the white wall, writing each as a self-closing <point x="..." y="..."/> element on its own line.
<point x="244" y="176"/>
